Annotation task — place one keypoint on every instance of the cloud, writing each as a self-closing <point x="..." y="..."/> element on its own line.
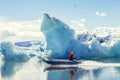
<point x="20" y="30"/>
<point x="78" y="25"/>
<point x="6" y="33"/>
<point x="101" y="14"/>
<point x="3" y="18"/>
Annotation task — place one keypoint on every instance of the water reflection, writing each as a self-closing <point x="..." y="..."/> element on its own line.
<point x="104" y="73"/>
<point x="60" y="68"/>
<point x="29" y="70"/>
<point x="64" y="73"/>
<point x="35" y="70"/>
<point x="71" y="74"/>
<point x="10" y="68"/>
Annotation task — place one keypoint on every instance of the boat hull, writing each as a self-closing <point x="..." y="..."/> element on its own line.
<point x="61" y="61"/>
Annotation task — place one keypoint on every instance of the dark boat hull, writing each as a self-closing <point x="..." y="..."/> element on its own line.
<point x="61" y="62"/>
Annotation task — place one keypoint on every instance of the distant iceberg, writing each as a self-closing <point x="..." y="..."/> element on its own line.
<point x="12" y="52"/>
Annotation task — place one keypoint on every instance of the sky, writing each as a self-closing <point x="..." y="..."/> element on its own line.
<point x="89" y="13"/>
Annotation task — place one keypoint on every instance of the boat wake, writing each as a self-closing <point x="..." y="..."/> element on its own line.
<point x="95" y="64"/>
<point x="85" y="65"/>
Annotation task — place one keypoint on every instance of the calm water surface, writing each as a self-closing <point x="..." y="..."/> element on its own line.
<point x="34" y="69"/>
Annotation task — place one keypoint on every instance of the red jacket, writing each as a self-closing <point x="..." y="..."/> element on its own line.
<point x="71" y="54"/>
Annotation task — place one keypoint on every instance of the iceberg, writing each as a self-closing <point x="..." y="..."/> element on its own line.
<point x="1" y="61"/>
<point x="23" y="44"/>
<point x="58" y="35"/>
<point x="12" y="52"/>
<point x="60" y="39"/>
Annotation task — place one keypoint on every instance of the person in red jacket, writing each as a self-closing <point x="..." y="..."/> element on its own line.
<point x="71" y="54"/>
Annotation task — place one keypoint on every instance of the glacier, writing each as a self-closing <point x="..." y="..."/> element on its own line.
<point x="92" y="44"/>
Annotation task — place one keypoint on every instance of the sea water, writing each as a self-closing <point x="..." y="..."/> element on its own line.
<point x="36" y="69"/>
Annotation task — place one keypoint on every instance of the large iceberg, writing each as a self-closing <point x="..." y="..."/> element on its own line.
<point x="58" y="35"/>
<point x="61" y="39"/>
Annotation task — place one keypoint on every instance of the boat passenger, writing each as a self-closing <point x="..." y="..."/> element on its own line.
<point x="71" y="54"/>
